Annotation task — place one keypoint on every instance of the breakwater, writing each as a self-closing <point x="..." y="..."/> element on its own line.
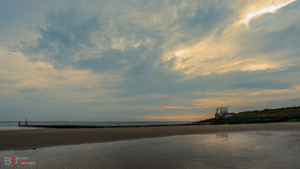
<point x="214" y="122"/>
<point x="112" y="126"/>
<point x="245" y="119"/>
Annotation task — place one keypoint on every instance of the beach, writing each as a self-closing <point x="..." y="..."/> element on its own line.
<point x="29" y="139"/>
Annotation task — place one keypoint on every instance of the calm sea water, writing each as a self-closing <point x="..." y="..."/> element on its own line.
<point x="259" y="149"/>
<point x="14" y="125"/>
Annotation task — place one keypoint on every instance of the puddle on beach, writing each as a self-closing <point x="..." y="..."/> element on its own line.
<point x="225" y="150"/>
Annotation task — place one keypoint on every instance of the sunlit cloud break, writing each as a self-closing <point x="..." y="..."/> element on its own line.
<point x="261" y="8"/>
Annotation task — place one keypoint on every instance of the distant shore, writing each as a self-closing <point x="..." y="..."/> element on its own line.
<point x="29" y="139"/>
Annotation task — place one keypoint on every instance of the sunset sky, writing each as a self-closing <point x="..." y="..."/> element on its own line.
<point x="128" y="60"/>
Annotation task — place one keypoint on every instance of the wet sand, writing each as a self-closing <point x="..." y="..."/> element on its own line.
<point x="28" y="139"/>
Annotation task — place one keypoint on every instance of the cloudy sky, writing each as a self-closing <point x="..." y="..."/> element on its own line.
<point x="146" y="60"/>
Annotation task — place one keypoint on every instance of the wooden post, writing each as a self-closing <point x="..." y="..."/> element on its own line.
<point x="19" y="123"/>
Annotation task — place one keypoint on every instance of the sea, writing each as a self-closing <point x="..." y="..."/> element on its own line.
<point x="230" y="150"/>
<point x="14" y="125"/>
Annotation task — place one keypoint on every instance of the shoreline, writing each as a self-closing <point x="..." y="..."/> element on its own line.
<point x="29" y="139"/>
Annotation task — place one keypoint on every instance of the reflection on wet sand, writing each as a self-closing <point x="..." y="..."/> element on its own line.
<point x="222" y="135"/>
<point x="240" y="150"/>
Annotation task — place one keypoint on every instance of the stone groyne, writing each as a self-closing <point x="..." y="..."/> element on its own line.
<point x="112" y="126"/>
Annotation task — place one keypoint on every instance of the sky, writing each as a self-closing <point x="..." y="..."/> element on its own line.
<point x="140" y="60"/>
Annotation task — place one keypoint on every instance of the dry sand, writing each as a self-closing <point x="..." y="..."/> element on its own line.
<point x="28" y="139"/>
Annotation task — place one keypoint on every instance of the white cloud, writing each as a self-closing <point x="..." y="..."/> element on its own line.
<point x="263" y="7"/>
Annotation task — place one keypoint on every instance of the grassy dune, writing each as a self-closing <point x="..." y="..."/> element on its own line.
<point x="237" y="121"/>
<point x="243" y="121"/>
<point x="277" y="111"/>
<point x="265" y="112"/>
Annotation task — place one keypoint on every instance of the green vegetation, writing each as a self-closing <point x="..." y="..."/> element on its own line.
<point x="265" y="112"/>
<point x="278" y="111"/>
<point x="293" y="120"/>
<point x="239" y="121"/>
<point x="233" y="121"/>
